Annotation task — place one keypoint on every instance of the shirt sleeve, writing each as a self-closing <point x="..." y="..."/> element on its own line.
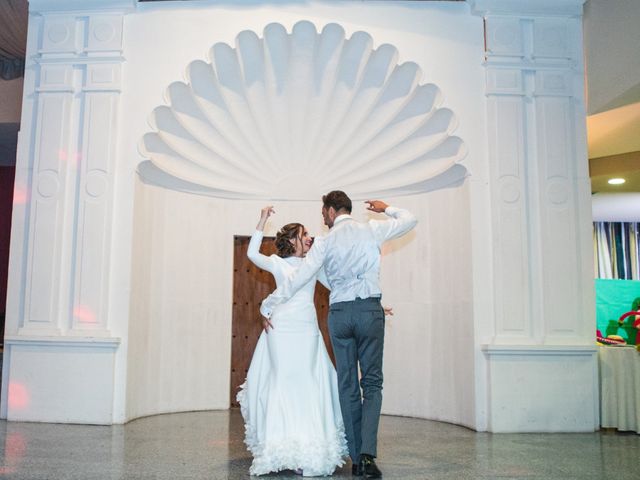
<point x="258" y="259"/>
<point x="401" y="222"/>
<point x="288" y="288"/>
<point x="322" y="278"/>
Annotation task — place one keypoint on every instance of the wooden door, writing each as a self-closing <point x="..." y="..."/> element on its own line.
<point x="251" y="285"/>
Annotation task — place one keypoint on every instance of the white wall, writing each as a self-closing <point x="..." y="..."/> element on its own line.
<point x="616" y="207"/>
<point x="179" y="329"/>
<point x="429" y="345"/>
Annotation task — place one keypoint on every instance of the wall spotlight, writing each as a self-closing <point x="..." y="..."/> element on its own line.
<point x="616" y="181"/>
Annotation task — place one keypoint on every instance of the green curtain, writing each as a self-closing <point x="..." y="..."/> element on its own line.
<point x="615" y="250"/>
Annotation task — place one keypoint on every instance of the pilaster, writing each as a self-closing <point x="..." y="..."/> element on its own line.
<point x="78" y="69"/>
<point x="538" y="172"/>
<point x="542" y="331"/>
<point x="61" y="234"/>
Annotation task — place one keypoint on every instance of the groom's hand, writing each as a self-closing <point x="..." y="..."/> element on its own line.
<point x="377" y="206"/>
<point x="266" y="324"/>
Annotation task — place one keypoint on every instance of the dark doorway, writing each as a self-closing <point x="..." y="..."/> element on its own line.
<point x="251" y="285"/>
<point x="7" y="176"/>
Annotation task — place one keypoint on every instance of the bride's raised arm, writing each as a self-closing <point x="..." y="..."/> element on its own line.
<point x="253" y="252"/>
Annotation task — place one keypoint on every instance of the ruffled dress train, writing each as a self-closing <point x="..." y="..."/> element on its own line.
<point x="292" y="415"/>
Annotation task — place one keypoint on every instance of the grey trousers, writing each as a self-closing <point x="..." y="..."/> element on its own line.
<point x="357" y="336"/>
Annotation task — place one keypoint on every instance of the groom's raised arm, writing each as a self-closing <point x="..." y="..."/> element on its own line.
<point x="400" y="221"/>
<point x="309" y="267"/>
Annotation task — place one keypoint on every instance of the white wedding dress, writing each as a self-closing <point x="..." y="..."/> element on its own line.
<point x="290" y="398"/>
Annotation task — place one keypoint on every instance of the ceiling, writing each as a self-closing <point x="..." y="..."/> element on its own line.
<point x="611" y="38"/>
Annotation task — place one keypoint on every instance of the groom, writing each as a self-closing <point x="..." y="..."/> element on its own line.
<point x="350" y="254"/>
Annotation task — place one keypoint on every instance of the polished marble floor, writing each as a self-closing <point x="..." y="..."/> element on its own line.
<point x="208" y="445"/>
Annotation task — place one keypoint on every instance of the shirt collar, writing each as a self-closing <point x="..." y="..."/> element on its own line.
<point x="342" y="217"/>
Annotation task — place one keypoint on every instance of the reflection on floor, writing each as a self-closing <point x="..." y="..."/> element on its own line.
<point x="208" y="445"/>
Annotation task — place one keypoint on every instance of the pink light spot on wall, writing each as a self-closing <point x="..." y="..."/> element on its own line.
<point x="18" y="395"/>
<point x="20" y="195"/>
<point x="84" y="314"/>
<point x="70" y="157"/>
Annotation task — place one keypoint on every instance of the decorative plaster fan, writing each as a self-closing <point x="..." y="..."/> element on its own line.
<point x="293" y="116"/>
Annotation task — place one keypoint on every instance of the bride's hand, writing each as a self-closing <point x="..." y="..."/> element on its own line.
<point x="388" y="311"/>
<point x="265" y="213"/>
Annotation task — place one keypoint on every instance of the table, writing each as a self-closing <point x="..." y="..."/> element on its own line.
<point x="619" y="387"/>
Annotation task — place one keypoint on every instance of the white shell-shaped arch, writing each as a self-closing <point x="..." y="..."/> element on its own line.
<point x="290" y="116"/>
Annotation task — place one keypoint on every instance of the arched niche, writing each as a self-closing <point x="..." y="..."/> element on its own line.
<point x="285" y="118"/>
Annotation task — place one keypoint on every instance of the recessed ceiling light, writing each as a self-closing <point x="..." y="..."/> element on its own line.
<point x="616" y="181"/>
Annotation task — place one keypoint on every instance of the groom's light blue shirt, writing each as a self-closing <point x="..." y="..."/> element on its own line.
<point x="350" y="254"/>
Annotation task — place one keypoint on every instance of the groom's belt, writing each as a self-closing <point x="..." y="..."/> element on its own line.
<point x="371" y="299"/>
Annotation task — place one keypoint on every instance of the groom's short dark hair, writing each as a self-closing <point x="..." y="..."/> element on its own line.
<point x="338" y="200"/>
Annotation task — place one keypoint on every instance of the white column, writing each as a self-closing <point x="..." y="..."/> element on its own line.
<point x="57" y="319"/>
<point x="539" y="351"/>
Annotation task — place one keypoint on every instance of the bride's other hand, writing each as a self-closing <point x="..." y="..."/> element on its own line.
<point x="266" y="324"/>
<point x="265" y="213"/>
<point x="388" y="311"/>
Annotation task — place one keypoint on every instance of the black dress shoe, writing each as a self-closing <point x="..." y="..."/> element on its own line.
<point x="355" y="470"/>
<point x="368" y="467"/>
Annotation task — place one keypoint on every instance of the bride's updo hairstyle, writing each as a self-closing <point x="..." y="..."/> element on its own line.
<point x="287" y="233"/>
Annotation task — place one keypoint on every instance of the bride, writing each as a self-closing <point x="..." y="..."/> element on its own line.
<point x="289" y="401"/>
